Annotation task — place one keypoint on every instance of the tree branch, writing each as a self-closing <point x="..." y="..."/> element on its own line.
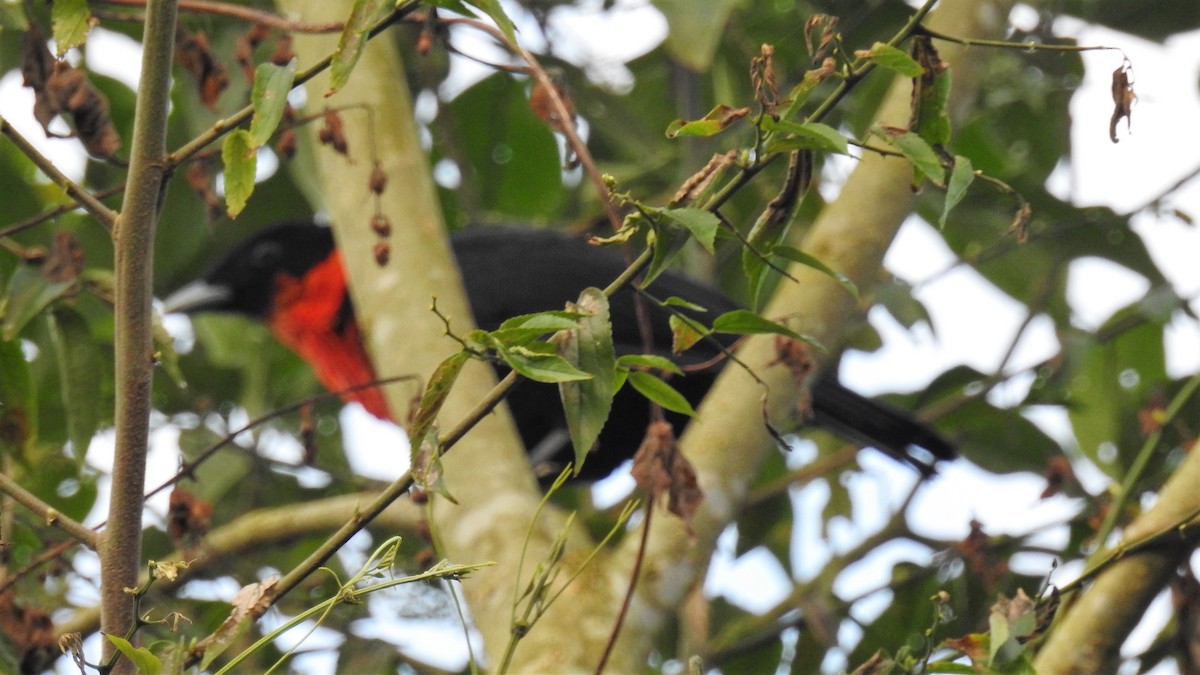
<point x="120" y="550"/>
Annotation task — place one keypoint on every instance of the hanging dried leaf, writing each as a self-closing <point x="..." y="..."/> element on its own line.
<point x="1123" y="98"/>
<point x="189" y="518"/>
<point x="60" y="89"/>
<point x="819" y="32"/>
<point x="194" y="55"/>
<point x="659" y="468"/>
<point x="762" y="76"/>
<point x="247" y="43"/>
<point x="283" y="53"/>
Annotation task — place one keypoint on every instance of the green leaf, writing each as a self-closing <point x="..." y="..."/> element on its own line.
<point x="141" y="657"/>
<point x="70" y="21"/>
<point x="717" y="120"/>
<point x="658" y="391"/>
<point x="79" y="374"/>
<point x="587" y="403"/>
<point x="29" y="292"/>
<point x="961" y="177"/>
<point x="804" y="136"/>
<point x="540" y="366"/>
<point x="363" y="16"/>
<point x="925" y="160"/>
<point x="702" y="224"/>
<point x="434" y="396"/>
<point x="537" y="324"/>
<point x="745" y="322"/>
<point x="892" y="58"/>
<point x="653" y="361"/>
<point x="675" y="301"/>
<point x="797" y="256"/>
<point x="271" y="86"/>
<point x="18" y="402"/>
<point x="240" y="156"/>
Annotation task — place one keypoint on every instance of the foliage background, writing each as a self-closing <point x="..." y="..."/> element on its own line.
<point x="497" y="163"/>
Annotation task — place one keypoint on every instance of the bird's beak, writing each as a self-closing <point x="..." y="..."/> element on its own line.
<point x="196" y="297"/>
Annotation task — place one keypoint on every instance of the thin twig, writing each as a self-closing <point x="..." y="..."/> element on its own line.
<point x="244" y="13"/>
<point x="50" y="515"/>
<point x="106" y="216"/>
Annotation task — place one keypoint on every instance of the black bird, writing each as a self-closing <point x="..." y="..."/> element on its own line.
<point x="290" y="276"/>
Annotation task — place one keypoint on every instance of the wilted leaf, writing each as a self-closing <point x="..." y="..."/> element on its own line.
<point x="189" y="518"/>
<point x="60" y="89"/>
<point x="931" y="92"/>
<point x="684" y="333"/>
<point x="717" y="120"/>
<point x="659" y="468"/>
<point x="1123" y="98"/>
<point x="240" y="156"/>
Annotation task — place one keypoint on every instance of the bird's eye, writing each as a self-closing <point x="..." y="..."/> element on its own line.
<point x="266" y="255"/>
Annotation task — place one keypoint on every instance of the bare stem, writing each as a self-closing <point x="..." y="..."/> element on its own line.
<point x="120" y="549"/>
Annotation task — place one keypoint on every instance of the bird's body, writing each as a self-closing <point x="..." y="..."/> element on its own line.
<point x="291" y="277"/>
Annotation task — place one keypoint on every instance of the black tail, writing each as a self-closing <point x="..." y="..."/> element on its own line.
<point x="871" y="422"/>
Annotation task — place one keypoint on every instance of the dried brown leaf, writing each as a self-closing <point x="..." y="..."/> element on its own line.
<point x="659" y="468"/>
<point x="60" y="89"/>
<point x="189" y="518"/>
<point x="762" y="76"/>
<point x="195" y="56"/>
<point x="1123" y="98"/>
